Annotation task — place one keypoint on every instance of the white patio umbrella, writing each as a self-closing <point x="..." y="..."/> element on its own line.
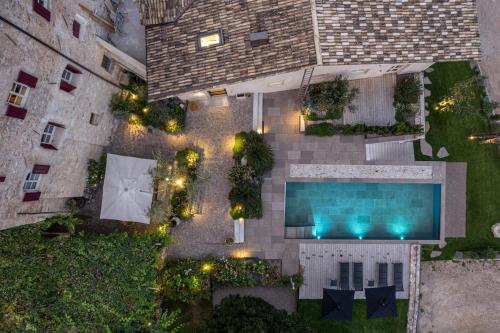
<point x="128" y="188"/>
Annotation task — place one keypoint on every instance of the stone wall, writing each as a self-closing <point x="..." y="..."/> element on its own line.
<point x="20" y="139"/>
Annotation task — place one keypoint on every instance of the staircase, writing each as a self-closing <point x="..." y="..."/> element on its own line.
<point x="302" y="232"/>
<point x="304" y="84"/>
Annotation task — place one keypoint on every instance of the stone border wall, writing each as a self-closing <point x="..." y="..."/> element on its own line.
<point x="414" y="286"/>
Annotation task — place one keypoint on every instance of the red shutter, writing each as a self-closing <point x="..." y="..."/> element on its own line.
<point x="41" y="10"/>
<point x="27" y="79"/>
<point x="31" y="196"/>
<point x="56" y="124"/>
<point x="73" y="69"/>
<point x="76" y="29"/>
<point x="2" y="179"/>
<point x="48" y="146"/>
<point x="66" y="86"/>
<point x="41" y="169"/>
<point x="16" y="112"/>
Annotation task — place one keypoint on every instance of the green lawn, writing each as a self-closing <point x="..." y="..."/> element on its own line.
<point x="483" y="162"/>
<point x="310" y="311"/>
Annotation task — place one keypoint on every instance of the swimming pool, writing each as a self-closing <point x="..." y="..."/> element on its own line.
<point x="364" y="210"/>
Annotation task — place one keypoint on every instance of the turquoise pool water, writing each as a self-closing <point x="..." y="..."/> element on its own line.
<point x="365" y="210"/>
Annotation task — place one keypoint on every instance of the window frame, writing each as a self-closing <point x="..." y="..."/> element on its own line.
<point x="71" y="76"/>
<point x="44" y="3"/>
<point x="33" y="181"/>
<point x="50" y="135"/>
<point x="111" y="63"/>
<point x="200" y="35"/>
<point x="23" y="97"/>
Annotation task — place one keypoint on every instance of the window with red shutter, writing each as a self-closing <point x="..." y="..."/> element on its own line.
<point x="41" y="169"/>
<point x="73" y="69"/>
<point x="41" y="7"/>
<point x="31" y="196"/>
<point x="68" y="87"/>
<point x="2" y="179"/>
<point x="76" y="28"/>
<point x="27" y="79"/>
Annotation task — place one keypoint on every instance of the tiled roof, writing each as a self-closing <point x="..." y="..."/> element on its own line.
<point x="397" y="31"/>
<point x="175" y="65"/>
<point x="162" y="11"/>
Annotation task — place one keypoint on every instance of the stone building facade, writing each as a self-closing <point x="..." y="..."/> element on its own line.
<point x="54" y="114"/>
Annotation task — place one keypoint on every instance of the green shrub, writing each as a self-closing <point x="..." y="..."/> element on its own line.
<point x="407" y="90"/>
<point x="328" y="129"/>
<point x="259" y="154"/>
<point x="239" y="145"/>
<point x="180" y="204"/>
<point x="329" y="100"/>
<point x="187" y="161"/>
<point x="82" y="283"/>
<point x="132" y="99"/>
<point x="184" y="280"/>
<point x="96" y="171"/>
<point x="250" y="314"/>
<point x="167" y="115"/>
<point x="241" y="175"/>
<point x="246" y="201"/>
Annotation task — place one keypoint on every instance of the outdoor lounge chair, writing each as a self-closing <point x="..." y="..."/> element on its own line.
<point x="382" y="274"/>
<point x="398" y="276"/>
<point x="357" y="275"/>
<point x="344" y="276"/>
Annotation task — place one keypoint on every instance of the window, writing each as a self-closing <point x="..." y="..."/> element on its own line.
<point x="32" y="182"/>
<point x="94" y="119"/>
<point x="43" y="3"/>
<point x="217" y="92"/>
<point x="107" y="64"/>
<point x="42" y="8"/>
<point x="276" y="83"/>
<point x="67" y="76"/>
<point x="18" y="94"/>
<point x="394" y="68"/>
<point x="205" y="40"/>
<point x="79" y="25"/>
<point x="48" y="134"/>
<point x="76" y="29"/>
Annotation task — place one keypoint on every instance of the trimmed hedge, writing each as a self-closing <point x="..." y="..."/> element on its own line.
<point x="328" y="129"/>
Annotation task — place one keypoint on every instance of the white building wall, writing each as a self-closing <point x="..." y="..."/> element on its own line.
<point x="20" y="139"/>
<point x="292" y="80"/>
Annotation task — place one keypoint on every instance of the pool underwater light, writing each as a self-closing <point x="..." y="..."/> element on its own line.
<point x="402" y="237"/>
<point x="360" y="237"/>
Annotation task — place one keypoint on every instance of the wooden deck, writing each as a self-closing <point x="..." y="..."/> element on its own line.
<point x="374" y="101"/>
<point x="321" y="263"/>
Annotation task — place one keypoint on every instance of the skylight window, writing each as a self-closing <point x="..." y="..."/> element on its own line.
<point x="210" y="39"/>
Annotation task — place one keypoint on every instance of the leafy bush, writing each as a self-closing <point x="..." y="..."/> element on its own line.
<point x="180" y="204"/>
<point x="241" y="175"/>
<point x="329" y="100"/>
<point x="187" y="161"/>
<point x="239" y="145"/>
<point x="487" y="253"/>
<point x="328" y="129"/>
<point x="184" y="280"/>
<point x="246" y="201"/>
<point x="96" y="171"/>
<point x="167" y="115"/>
<point x="407" y="90"/>
<point x="131" y="103"/>
<point x="81" y="283"/>
<point x="259" y="154"/>
<point x="250" y="314"/>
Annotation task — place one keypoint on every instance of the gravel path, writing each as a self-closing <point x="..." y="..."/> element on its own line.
<point x="460" y="297"/>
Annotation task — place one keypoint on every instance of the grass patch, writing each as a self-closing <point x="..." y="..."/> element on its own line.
<point x="310" y="311"/>
<point x="451" y="130"/>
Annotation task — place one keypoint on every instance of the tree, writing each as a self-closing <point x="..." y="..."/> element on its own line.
<point x="252" y="315"/>
<point x="329" y="100"/>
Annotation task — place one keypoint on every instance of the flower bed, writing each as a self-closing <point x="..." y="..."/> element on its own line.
<point x="187" y="280"/>
<point x="252" y="158"/>
<point x="187" y="164"/>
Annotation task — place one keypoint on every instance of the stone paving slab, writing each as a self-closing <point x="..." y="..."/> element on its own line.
<point x="456" y="199"/>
